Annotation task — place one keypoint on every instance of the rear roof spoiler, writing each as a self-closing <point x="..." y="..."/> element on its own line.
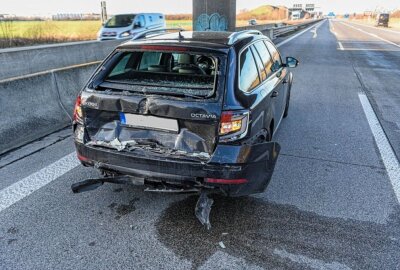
<point x="156" y="32"/>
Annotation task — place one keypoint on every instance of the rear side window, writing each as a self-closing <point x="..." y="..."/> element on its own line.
<point x="266" y="61"/>
<point x="248" y="73"/>
<point x="121" y="66"/>
<point x="173" y="73"/>
<point x="276" y="57"/>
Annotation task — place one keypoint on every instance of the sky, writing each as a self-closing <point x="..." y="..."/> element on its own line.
<point x="49" y="7"/>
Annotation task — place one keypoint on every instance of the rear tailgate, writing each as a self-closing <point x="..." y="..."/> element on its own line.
<point x="168" y="102"/>
<point x="159" y="124"/>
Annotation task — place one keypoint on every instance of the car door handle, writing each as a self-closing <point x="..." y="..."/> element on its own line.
<point x="274" y="94"/>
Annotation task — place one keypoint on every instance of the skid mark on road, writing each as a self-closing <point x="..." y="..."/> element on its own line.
<point x="388" y="157"/>
<point x="23" y="188"/>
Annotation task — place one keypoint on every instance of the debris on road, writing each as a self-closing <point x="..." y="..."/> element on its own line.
<point x="222" y="245"/>
<point x="203" y="209"/>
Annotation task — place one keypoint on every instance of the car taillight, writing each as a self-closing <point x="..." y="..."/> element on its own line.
<point x="233" y="124"/>
<point x="78" y="109"/>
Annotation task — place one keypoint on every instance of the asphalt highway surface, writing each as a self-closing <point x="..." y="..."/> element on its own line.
<point x="333" y="202"/>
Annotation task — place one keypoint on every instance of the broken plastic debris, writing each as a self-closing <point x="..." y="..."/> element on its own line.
<point x="203" y="209"/>
<point x="224" y="233"/>
<point x="221" y="244"/>
<point x="114" y="144"/>
<point x="121" y="145"/>
<point x="201" y="155"/>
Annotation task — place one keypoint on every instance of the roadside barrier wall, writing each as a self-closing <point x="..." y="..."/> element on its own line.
<point x="36" y="105"/>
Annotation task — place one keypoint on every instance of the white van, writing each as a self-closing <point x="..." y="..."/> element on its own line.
<point x="124" y="26"/>
<point x="296" y="15"/>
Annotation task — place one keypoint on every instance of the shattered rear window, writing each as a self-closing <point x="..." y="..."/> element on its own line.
<point x="171" y="73"/>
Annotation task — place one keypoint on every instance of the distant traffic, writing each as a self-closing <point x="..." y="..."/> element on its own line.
<point x="122" y="26"/>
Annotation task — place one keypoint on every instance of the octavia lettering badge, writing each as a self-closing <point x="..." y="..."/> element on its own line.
<point x="203" y="116"/>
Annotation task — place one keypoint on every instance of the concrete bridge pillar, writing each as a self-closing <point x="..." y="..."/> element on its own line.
<point x="214" y="15"/>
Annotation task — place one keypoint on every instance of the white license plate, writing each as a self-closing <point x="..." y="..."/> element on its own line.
<point x="149" y="122"/>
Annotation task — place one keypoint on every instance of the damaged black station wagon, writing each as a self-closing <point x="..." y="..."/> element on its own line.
<point x="185" y="111"/>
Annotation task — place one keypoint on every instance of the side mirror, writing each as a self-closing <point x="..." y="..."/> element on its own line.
<point x="137" y="25"/>
<point x="291" y="62"/>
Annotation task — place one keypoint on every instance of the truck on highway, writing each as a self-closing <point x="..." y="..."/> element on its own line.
<point x="382" y="19"/>
<point x="296" y="15"/>
<point x="331" y="15"/>
<point x="123" y="26"/>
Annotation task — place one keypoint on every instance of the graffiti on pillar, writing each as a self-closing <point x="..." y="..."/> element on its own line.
<point x="214" y="22"/>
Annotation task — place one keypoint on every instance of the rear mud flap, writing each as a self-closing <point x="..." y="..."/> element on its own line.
<point x="257" y="163"/>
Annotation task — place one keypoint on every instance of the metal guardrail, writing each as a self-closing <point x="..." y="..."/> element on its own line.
<point x="276" y="30"/>
<point x="283" y="30"/>
<point x="280" y="31"/>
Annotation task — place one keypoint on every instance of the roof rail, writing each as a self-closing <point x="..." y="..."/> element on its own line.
<point x="237" y="35"/>
<point x="160" y="31"/>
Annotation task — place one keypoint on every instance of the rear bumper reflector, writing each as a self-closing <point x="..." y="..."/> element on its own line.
<point x="226" y="181"/>
<point x="82" y="158"/>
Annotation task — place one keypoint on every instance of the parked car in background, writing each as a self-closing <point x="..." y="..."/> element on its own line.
<point x="382" y="19"/>
<point x="253" y="22"/>
<point x="123" y="26"/>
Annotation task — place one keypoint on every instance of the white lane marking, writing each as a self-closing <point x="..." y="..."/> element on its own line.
<point x="315" y="32"/>
<point x="388" y="157"/>
<point x="373" y="27"/>
<point x="298" y="34"/>
<point x="373" y="35"/>
<point x="340" y="46"/>
<point x="23" y="188"/>
<point x="310" y="262"/>
<point x="332" y="28"/>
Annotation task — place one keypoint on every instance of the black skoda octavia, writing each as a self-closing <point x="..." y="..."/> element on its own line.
<point x="186" y="111"/>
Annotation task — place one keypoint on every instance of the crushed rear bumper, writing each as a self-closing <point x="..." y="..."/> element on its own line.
<point x="254" y="163"/>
